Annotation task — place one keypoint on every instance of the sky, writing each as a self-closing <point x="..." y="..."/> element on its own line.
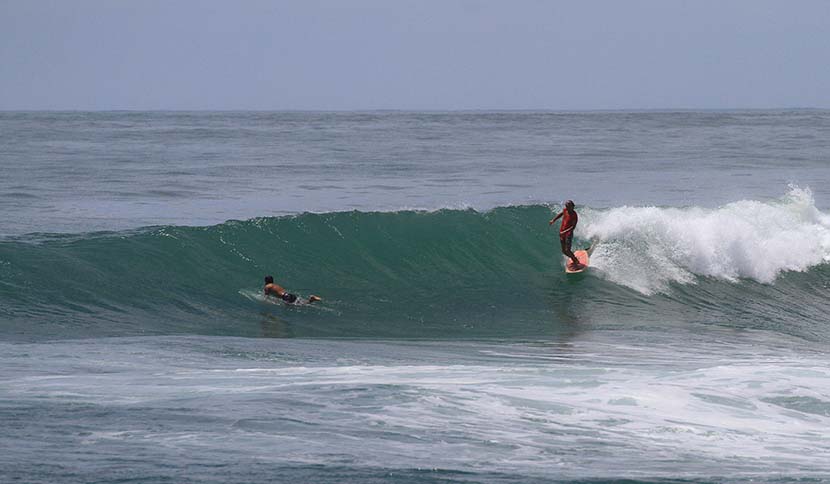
<point x="413" y="54"/>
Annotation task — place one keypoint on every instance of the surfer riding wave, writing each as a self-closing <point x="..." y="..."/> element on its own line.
<point x="566" y="230"/>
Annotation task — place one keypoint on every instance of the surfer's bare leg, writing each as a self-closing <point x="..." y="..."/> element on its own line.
<point x="566" y="250"/>
<point x="314" y="298"/>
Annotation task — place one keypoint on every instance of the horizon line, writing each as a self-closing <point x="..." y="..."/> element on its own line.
<point x="408" y="110"/>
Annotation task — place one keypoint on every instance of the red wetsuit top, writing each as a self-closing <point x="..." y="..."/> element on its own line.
<point x="569" y="220"/>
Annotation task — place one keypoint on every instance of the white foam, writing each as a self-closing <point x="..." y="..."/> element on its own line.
<point x="647" y="248"/>
<point x="258" y="296"/>
<point x="675" y="411"/>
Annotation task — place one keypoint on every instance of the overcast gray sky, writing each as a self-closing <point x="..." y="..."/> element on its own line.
<point x="424" y="54"/>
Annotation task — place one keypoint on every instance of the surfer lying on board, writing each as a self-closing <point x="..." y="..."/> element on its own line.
<point x="566" y="230"/>
<point x="278" y="291"/>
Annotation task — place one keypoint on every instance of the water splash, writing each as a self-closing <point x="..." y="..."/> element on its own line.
<point x="648" y="248"/>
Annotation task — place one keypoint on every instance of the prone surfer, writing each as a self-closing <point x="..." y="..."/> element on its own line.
<point x="272" y="289"/>
<point x="566" y="230"/>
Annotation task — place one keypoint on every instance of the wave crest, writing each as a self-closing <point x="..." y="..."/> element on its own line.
<point x="647" y="248"/>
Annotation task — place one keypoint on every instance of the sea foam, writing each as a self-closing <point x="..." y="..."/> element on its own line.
<point x="648" y="248"/>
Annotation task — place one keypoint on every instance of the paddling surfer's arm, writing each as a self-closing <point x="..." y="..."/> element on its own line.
<point x="274" y="290"/>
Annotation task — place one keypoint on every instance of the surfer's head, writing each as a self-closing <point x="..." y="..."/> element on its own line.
<point x="269" y="279"/>
<point x="569" y="204"/>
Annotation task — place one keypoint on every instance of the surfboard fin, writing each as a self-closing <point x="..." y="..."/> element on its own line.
<point x="592" y="246"/>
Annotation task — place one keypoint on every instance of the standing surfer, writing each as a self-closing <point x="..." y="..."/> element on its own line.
<point x="566" y="230"/>
<point x="278" y="291"/>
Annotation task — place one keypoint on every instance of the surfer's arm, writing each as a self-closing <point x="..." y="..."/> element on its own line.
<point x="554" y="219"/>
<point x="274" y="290"/>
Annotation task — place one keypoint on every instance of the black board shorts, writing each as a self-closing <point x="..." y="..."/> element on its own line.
<point x="289" y="298"/>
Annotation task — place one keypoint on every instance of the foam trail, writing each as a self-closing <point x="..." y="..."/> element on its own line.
<point x="648" y="248"/>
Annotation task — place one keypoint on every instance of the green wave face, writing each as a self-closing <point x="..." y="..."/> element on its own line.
<point x="432" y="275"/>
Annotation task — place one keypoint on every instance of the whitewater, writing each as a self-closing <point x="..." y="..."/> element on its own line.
<point x="649" y="248"/>
<point x="136" y="345"/>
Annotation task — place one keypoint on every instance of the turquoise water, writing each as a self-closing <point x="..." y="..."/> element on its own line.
<point x="450" y="346"/>
<point x="436" y="275"/>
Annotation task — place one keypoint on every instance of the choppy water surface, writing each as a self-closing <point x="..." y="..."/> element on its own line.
<point x="135" y="344"/>
<point x="75" y="172"/>
<point x="742" y="408"/>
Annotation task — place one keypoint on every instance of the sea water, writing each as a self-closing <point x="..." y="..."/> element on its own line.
<point x="135" y="345"/>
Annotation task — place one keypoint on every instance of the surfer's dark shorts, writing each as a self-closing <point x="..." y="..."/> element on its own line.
<point x="567" y="239"/>
<point x="289" y="298"/>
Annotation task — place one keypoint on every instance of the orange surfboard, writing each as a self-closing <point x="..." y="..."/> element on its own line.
<point x="582" y="257"/>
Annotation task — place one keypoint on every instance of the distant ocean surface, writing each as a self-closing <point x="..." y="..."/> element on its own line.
<point x="135" y="344"/>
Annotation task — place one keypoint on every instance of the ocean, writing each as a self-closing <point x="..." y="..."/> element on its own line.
<point x="450" y="347"/>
